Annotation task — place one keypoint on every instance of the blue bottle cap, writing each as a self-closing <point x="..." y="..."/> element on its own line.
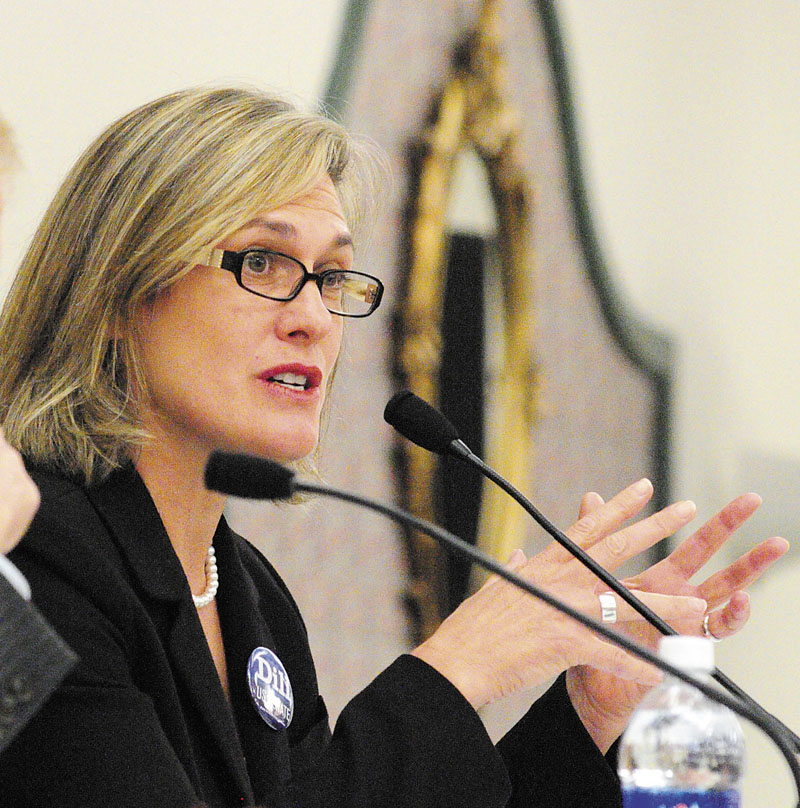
<point x="270" y="688"/>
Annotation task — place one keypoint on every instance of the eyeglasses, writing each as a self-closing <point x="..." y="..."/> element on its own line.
<point x="280" y="277"/>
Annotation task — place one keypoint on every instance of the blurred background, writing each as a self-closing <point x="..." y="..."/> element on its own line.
<point x="686" y="116"/>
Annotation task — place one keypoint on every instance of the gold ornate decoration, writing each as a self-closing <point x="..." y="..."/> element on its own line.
<point x="471" y="113"/>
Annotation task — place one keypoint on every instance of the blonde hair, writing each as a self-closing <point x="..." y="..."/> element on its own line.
<point x="150" y="194"/>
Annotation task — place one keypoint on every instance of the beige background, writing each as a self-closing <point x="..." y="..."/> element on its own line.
<point x="689" y="113"/>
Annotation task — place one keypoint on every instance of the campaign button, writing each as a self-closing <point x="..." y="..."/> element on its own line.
<point x="270" y="688"/>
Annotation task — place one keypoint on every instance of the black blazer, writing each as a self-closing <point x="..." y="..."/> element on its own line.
<point x="143" y="721"/>
<point x="33" y="660"/>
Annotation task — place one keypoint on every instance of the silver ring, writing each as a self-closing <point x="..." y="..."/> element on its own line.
<point x="608" y="607"/>
<point x="707" y="631"/>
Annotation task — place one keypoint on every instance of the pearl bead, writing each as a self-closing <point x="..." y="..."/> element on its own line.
<point x="212" y="581"/>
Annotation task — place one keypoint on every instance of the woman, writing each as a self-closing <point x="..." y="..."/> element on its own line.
<point x="184" y="293"/>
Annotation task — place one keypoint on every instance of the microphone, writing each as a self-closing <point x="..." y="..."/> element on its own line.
<point x="242" y="475"/>
<point x="251" y="477"/>
<point x="424" y="425"/>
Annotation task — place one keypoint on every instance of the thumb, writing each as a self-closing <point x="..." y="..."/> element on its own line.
<point x="618" y="662"/>
<point x="515" y="561"/>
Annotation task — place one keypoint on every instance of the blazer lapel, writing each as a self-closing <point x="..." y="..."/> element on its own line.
<point x="127" y="508"/>
<point x="245" y="629"/>
<point x="194" y="669"/>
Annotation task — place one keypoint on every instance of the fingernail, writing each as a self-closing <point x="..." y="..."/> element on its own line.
<point x="643" y="486"/>
<point x="685" y="508"/>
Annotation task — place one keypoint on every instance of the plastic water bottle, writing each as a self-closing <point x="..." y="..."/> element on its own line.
<point x="682" y="750"/>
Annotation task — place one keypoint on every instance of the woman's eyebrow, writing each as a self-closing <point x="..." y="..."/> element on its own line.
<point x="288" y="230"/>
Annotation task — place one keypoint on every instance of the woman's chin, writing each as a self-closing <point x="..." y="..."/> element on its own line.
<point x="292" y="449"/>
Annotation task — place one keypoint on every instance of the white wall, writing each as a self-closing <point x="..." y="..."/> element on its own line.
<point x="689" y="112"/>
<point x="70" y="67"/>
<point x="690" y="118"/>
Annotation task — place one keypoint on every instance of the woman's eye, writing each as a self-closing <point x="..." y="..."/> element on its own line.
<point x="255" y="262"/>
<point x="334" y="280"/>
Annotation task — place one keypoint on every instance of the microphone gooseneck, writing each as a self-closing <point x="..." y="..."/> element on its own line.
<point x="235" y="474"/>
<point x="413" y="418"/>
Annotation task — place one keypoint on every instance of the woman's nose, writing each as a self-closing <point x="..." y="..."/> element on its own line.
<point x="306" y="315"/>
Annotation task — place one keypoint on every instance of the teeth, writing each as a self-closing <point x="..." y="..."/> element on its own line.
<point x="291" y="380"/>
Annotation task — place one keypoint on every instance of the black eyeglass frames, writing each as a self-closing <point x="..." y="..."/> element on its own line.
<point x="277" y="276"/>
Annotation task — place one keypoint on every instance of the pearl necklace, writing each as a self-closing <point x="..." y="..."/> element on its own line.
<point x="212" y="581"/>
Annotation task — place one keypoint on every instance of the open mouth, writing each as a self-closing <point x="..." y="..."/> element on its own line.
<point x="292" y="381"/>
<point x="299" y="378"/>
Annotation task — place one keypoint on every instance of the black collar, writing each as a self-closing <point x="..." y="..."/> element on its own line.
<point x="125" y="505"/>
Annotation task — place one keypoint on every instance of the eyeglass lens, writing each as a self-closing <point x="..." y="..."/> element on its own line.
<point x="279" y="276"/>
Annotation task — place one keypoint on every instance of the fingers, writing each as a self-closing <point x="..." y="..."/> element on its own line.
<point x="516" y="560"/>
<point x="670" y="608"/>
<point x="590" y="503"/>
<point x="597" y="523"/>
<point x="617" y="548"/>
<point x="749" y="567"/>
<point x="727" y="621"/>
<point x="692" y="553"/>
<point x="611" y="658"/>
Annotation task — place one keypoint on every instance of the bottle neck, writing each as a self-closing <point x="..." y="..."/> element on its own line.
<point x="702" y="676"/>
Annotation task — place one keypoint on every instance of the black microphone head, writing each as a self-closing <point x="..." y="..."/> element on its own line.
<point x="418" y="421"/>
<point x="242" y="475"/>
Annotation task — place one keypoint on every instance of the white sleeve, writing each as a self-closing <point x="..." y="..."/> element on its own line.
<point x="15" y="577"/>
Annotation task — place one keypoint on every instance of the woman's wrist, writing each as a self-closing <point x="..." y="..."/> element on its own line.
<point x="604" y="729"/>
<point x="467" y="679"/>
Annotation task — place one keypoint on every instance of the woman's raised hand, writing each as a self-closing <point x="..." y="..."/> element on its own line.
<point x="502" y="640"/>
<point x="605" y="702"/>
